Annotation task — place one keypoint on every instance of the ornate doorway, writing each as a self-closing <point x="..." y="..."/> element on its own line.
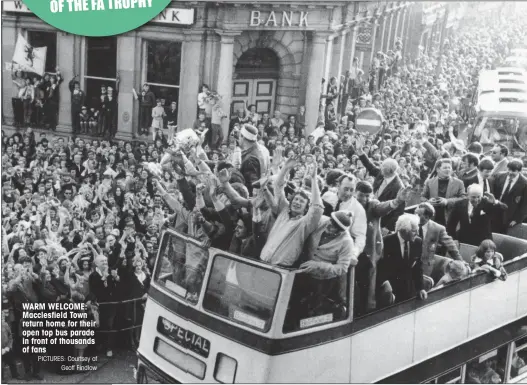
<point x="255" y="80"/>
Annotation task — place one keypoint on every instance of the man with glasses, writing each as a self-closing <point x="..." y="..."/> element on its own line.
<point x="67" y="194"/>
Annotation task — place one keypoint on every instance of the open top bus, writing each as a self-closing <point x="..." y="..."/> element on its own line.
<point x="215" y="317"/>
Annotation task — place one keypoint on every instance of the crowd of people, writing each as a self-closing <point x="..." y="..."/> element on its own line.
<point x="82" y="218"/>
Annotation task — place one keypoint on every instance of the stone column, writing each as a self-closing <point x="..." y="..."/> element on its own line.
<point x="402" y="33"/>
<point x="335" y="56"/>
<point x="389" y="38"/>
<point x="190" y="78"/>
<point x="407" y="28"/>
<point x="126" y="54"/>
<point x="211" y="51"/>
<point x="396" y="32"/>
<point x="65" y="51"/>
<point x="315" y="74"/>
<point x="381" y="36"/>
<point x="9" y="36"/>
<point x="329" y="54"/>
<point x="375" y="27"/>
<point x="225" y="69"/>
<point x="351" y="44"/>
<point x="343" y="36"/>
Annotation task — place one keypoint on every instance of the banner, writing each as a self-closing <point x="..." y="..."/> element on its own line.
<point x="28" y="58"/>
<point x="364" y="37"/>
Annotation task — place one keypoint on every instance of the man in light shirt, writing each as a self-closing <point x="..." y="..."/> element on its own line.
<point x="295" y="222"/>
<point x="277" y="120"/>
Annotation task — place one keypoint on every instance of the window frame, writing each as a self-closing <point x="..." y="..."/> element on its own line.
<point x="322" y="326"/>
<point x="462" y="371"/>
<point x="273" y="321"/>
<point x="512" y="349"/>
<point x="156" y="276"/>
<point x="144" y="67"/>
<point x="84" y="77"/>
<point x="506" y="368"/>
<point x="25" y="33"/>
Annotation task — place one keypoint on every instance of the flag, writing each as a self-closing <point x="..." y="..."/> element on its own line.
<point x="28" y="58"/>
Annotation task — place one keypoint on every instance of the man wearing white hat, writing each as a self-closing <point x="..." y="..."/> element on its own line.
<point x="255" y="162"/>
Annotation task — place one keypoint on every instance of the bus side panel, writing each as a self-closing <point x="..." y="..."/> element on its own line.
<point x="383" y="349"/>
<point x="493" y="304"/>
<point x="330" y="364"/>
<point x="522" y="294"/>
<point x="252" y="365"/>
<point x="433" y="320"/>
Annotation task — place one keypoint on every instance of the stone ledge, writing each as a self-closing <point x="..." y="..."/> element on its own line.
<point x="65" y="132"/>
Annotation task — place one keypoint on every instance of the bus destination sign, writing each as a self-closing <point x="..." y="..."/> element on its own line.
<point x="183" y="337"/>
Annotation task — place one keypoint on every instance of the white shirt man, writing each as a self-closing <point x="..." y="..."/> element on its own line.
<point x="404" y="246"/>
<point x="424" y="230"/>
<point x="483" y="182"/>
<point x="359" y="224"/>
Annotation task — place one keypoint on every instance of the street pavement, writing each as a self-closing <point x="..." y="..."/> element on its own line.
<point x="117" y="370"/>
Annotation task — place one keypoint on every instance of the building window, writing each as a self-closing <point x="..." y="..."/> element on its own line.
<point x="163" y="69"/>
<point x="45" y="39"/>
<point x="101" y="66"/>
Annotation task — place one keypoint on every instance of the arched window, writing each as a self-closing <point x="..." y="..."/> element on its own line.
<point x="258" y="63"/>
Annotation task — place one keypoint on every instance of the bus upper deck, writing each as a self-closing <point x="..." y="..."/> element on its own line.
<point x="232" y="319"/>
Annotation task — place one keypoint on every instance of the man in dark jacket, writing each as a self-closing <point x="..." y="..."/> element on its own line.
<point x="400" y="271"/>
<point x="511" y="189"/>
<point x="474" y="215"/>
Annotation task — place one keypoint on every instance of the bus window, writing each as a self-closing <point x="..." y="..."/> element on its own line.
<point x="488" y="368"/>
<point x="519" y="358"/>
<point x="243" y="293"/>
<point x="181" y="266"/>
<point x="511" y="81"/>
<point x="452" y="377"/>
<point x="511" y="132"/>
<point x="315" y="302"/>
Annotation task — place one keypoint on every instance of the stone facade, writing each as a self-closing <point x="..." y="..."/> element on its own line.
<point x="288" y="46"/>
<point x="311" y="41"/>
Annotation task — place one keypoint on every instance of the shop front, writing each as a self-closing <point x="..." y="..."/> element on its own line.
<point x="153" y="54"/>
<point x="273" y="56"/>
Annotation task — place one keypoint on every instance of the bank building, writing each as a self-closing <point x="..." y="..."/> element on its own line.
<point x="272" y="54"/>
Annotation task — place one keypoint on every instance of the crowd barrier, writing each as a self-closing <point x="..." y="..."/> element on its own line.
<point x="131" y="305"/>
